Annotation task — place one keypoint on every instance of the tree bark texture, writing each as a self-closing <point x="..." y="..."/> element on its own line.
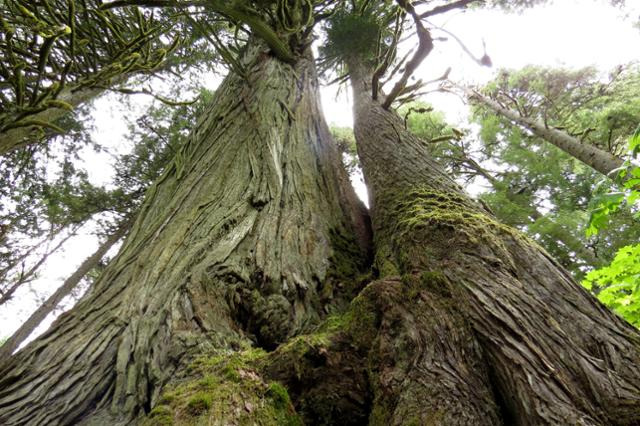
<point x="63" y="291"/>
<point x="551" y="352"/>
<point x="599" y="160"/>
<point x="246" y="239"/>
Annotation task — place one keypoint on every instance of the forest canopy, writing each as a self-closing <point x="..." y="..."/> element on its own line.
<point x="226" y="271"/>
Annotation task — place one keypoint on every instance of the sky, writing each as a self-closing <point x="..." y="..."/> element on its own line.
<point x="568" y="33"/>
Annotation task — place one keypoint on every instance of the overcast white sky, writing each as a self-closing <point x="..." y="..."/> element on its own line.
<point x="567" y="33"/>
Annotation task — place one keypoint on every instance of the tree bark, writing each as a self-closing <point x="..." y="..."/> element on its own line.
<point x="63" y="291"/>
<point x="599" y="160"/>
<point x="246" y="239"/>
<point x="552" y="352"/>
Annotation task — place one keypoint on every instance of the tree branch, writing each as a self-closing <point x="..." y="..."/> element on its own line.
<point x="425" y="46"/>
<point x="447" y="7"/>
<point x="242" y="14"/>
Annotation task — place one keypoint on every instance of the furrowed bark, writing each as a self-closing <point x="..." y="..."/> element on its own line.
<point x="241" y="242"/>
<point x="554" y="354"/>
<point x="63" y="291"/>
<point x="401" y="355"/>
<point x="599" y="160"/>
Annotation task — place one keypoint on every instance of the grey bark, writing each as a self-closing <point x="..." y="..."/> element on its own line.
<point x="25" y="330"/>
<point x="599" y="160"/>
<point x="233" y="246"/>
<point x="553" y="353"/>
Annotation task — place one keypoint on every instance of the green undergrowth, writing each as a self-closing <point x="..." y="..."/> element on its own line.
<point x="225" y="389"/>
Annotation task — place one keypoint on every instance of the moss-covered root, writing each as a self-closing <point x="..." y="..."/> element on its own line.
<point x="402" y="354"/>
<point x="225" y="389"/>
<point x="326" y="371"/>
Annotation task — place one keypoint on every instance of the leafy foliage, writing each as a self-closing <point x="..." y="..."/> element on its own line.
<point x="39" y="201"/>
<point x="618" y="284"/>
<point x="52" y="44"/>
<point x="628" y="180"/>
<point x="157" y="136"/>
<point x="352" y="34"/>
<point x="539" y="189"/>
<point x="599" y="110"/>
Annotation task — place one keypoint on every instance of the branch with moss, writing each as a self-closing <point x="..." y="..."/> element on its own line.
<point x="235" y="11"/>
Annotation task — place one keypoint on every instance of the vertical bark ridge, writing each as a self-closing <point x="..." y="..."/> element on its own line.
<point x="556" y="356"/>
<point x="233" y="245"/>
<point x="425" y="362"/>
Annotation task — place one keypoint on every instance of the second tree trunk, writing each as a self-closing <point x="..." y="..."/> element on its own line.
<point x="551" y="353"/>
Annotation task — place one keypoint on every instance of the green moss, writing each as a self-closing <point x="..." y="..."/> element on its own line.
<point x="386" y="266"/>
<point x="271" y="317"/>
<point x="279" y="395"/>
<point x="199" y="403"/>
<point x="359" y="321"/>
<point x="159" y="411"/>
<point x="167" y="398"/>
<point x="428" y="207"/>
<point x="437" y="282"/>
<point x="380" y="415"/>
<point x="346" y="261"/>
<point x="225" y="388"/>
<point x="362" y="320"/>
<point x="161" y="415"/>
<point x="447" y="220"/>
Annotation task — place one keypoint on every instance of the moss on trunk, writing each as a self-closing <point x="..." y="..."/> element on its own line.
<point x="550" y="353"/>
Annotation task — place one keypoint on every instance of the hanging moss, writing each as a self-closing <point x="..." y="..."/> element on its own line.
<point x="350" y="34"/>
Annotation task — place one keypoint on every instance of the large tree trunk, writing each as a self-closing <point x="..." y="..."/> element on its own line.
<point x="552" y="352"/>
<point x="25" y="330"/>
<point x="245" y="240"/>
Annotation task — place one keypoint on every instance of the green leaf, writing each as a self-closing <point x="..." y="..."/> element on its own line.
<point x="634" y="142"/>
<point x="618" y="284"/>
